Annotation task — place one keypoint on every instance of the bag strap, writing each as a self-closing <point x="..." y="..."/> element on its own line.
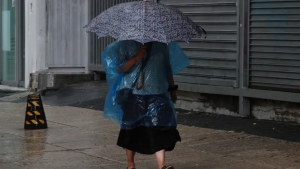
<point x="144" y="62"/>
<point x="146" y="59"/>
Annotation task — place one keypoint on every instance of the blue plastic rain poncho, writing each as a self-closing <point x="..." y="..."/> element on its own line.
<point x="150" y="106"/>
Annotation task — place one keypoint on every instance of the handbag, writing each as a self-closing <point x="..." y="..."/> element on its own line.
<point x="127" y="93"/>
<point x="123" y="95"/>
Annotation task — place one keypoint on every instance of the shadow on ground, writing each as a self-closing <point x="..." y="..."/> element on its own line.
<point x="84" y="95"/>
<point x="4" y="93"/>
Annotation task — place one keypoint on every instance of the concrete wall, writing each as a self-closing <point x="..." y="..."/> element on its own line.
<point x="217" y="104"/>
<point x="228" y="105"/>
<point x="275" y="110"/>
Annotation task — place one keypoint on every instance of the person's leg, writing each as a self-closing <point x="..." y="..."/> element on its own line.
<point x="130" y="159"/>
<point x="160" y="158"/>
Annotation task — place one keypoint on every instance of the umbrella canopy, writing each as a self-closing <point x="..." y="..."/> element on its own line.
<point x="144" y="21"/>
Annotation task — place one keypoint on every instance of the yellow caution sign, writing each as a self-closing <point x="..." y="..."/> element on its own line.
<point x="29" y="114"/>
<point x="35" y="104"/>
<point x="34" y="122"/>
<point x="34" y="97"/>
<point x="37" y="113"/>
<point x="42" y="121"/>
<point x="35" y="117"/>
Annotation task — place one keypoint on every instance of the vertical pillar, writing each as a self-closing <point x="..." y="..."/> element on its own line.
<point x="35" y="37"/>
<point x="243" y="12"/>
<point x="244" y="106"/>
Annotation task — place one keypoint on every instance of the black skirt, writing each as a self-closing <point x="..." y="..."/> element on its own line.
<point x="149" y="140"/>
<point x="148" y="134"/>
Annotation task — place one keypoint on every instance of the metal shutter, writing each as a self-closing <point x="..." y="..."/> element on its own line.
<point x="99" y="44"/>
<point x="275" y="44"/>
<point x="213" y="60"/>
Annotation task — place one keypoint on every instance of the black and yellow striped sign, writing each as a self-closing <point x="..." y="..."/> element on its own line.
<point x="35" y="117"/>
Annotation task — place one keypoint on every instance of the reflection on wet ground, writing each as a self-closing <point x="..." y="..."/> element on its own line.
<point x="92" y="95"/>
<point x="81" y="138"/>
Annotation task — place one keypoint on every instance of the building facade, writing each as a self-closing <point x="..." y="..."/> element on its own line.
<point x="247" y="66"/>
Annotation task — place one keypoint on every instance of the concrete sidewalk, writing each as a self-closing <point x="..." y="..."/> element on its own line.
<point x="79" y="138"/>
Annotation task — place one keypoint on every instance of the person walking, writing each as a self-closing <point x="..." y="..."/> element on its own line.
<point x="149" y="122"/>
<point x="141" y="87"/>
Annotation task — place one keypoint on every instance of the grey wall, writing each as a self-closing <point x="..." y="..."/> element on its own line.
<point x="67" y="42"/>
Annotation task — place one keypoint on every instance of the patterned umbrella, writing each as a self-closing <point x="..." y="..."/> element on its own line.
<point x="144" y="21"/>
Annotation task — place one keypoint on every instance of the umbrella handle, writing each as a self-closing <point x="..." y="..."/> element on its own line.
<point x="142" y="75"/>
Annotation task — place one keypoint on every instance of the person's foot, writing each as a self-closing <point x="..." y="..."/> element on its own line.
<point x="168" y="167"/>
<point x="130" y="166"/>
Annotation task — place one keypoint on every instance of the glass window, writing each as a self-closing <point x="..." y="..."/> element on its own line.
<point x="8" y="54"/>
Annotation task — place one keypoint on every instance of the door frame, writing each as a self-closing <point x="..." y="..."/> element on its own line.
<point x="19" y="45"/>
<point x="19" y="42"/>
<point x="1" y="58"/>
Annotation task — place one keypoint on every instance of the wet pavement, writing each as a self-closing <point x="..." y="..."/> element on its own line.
<point x="79" y="137"/>
<point x="6" y="93"/>
<point x="85" y="95"/>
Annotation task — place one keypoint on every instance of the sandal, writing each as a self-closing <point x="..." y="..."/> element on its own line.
<point x="168" y="167"/>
